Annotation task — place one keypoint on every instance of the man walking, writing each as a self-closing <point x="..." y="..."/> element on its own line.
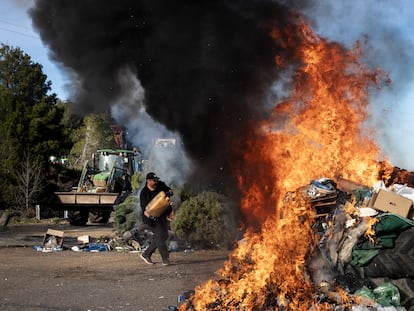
<point x="159" y="225"/>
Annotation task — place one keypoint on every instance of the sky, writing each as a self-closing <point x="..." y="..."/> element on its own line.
<point x="16" y="31"/>
<point x="387" y="27"/>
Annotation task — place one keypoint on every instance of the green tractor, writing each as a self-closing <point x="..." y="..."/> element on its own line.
<point x="101" y="186"/>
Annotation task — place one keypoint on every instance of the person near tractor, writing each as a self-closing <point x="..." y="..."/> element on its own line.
<point x="158" y="225"/>
<point x="126" y="187"/>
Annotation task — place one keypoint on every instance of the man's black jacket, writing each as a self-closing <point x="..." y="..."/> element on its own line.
<point x="147" y="195"/>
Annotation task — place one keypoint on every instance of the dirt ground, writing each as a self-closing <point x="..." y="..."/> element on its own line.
<point x="78" y="281"/>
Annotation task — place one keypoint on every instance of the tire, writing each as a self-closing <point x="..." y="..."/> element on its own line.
<point x="78" y="218"/>
<point x="396" y="262"/>
<point x="99" y="217"/>
<point x="395" y="265"/>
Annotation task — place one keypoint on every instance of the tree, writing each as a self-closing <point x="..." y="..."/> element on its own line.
<point x="29" y="183"/>
<point x="70" y="123"/>
<point x="30" y="120"/>
<point x="22" y="78"/>
<point x="29" y="116"/>
<point x="93" y="135"/>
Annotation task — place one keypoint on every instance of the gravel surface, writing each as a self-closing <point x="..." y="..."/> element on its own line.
<point x="109" y="280"/>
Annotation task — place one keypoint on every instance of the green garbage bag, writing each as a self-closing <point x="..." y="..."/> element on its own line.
<point x="386" y="231"/>
<point x="361" y="257"/>
<point x="387" y="295"/>
<point x="365" y="292"/>
<point x="392" y="223"/>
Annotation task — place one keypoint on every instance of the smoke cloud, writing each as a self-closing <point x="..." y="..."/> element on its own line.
<point x="198" y="71"/>
<point x="202" y="72"/>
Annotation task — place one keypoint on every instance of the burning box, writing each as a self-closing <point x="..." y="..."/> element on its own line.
<point x="53" y="238"/>
<point x="388" y="201"/>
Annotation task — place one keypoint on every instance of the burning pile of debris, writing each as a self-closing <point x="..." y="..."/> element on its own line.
<point x="358" y="254"/>
<point x="332" y="244"/>
<point x="364" y="243"/>
<point x="318" y="247"/>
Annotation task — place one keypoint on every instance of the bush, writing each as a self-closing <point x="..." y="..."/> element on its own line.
<point x="126" y="215"/>
<point x="205" y="221"/>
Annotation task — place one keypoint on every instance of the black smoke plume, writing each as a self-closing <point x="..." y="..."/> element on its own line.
<point x="207" y="67"/>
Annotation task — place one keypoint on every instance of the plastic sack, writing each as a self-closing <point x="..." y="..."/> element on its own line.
<point x="96" y="247"/>
<point x="404" y="191"/>
<point x="387" y="295"/>
<point x="365" y="292"/>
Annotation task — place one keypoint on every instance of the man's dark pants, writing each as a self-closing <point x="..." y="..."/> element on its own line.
<point x="159" y="240"/>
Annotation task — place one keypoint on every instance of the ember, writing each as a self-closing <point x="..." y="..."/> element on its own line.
<point x="316" y="132"/>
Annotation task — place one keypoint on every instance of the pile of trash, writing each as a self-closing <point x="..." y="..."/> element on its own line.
<point x="365" y="242"/>
<point x="133" y="241"/>
<point x="53" y="242"/>
<point x="363" y="259"/>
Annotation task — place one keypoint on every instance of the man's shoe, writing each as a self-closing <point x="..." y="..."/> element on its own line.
<point x="166" y="262"/>
<point x="147" y="259"/>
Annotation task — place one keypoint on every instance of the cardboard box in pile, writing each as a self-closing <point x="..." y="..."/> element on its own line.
<point x="391" y="202"/>
<point x="53" y="238"/>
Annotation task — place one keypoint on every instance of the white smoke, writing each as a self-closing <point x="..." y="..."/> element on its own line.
<point x="387" y="31"/>
<point x="171" y="164"/>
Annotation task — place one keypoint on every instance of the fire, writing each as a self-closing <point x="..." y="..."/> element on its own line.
<point x="262" y="271"/>
<point x="317" y="132"/>
<point x="370" y="233"/>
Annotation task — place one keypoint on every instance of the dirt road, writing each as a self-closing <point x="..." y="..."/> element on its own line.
<point x="79" y="281"/>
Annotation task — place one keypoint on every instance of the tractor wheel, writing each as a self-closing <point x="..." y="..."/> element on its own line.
<point x="396" y="262"/>
<point x="396" y="265"/>
<point x="78" y="218"/>
<point x="99" y="217"/>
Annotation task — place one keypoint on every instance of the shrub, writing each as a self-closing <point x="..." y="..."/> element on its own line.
<point x="205" y="221"/>
<point x="126" y="215"/>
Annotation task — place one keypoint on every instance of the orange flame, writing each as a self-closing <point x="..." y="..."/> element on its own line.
<point x="317" y="132"/>
<point x="370" y="232"/>
<point x="263" y="271"/>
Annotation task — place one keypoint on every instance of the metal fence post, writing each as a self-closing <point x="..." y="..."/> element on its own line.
<point x="37" y="207"/>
